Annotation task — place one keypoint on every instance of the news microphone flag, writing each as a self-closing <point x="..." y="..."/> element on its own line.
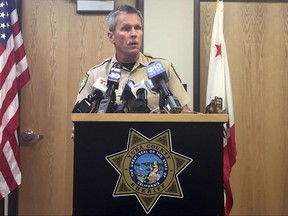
<point x="156" y="71"/>
<point x="219" y="98"/>
<point x="14" y="74"/>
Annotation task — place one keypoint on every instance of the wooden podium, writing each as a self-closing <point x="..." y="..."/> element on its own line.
<point x="148" y="164"/>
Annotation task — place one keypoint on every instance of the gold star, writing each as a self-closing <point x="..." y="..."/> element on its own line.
<point x="148" y="169"/>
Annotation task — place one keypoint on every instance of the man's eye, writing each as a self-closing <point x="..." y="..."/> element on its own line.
<point x="126" y="29"/>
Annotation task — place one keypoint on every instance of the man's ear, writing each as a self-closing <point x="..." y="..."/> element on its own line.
<point x="111" y="37"/>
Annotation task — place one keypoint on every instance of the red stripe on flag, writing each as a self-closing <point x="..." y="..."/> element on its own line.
<point x="23" y="79"/>
<point x="232" y="146"/>
<point x="2" y="49"/>
<point x="7" y="68"/>
<point x="14" y="75"/>
<point x="7" y="100"/>
<point x="229" y="160"/>
<point x="7" y="174"/>
<point x="219" y="98"/>
<point x="15" y="29"/>
<point x="229" y="154"/>
<point x="229" y="198"/>
<point x="10" y="137"/>
<point x="19" y="54"/>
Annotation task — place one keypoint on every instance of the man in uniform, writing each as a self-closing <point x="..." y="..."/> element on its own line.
<point x="126" y="33"/>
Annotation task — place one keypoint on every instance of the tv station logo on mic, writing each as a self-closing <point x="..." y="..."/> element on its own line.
<point x="148" y="169"/>
<point x="155" y="69"/>
<point x="101" y="84"/>
<point x="114" y="74"/>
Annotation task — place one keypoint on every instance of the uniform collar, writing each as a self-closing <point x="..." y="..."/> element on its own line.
<point x="142" y="60"/>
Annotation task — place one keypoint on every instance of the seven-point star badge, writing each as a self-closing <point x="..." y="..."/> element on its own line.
<point x="148" y="168"/>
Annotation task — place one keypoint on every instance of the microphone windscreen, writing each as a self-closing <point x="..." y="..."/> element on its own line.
<point x="101" y="84"/>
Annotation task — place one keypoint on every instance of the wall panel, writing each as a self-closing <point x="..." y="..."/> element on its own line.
<point x="256" y="35"/>
<point x="61" y="46"/>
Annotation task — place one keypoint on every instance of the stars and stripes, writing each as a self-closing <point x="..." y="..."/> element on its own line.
<point x="14" y="74"/>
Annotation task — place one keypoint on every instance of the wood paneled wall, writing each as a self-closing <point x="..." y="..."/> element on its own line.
<point x="61" y="46"/>
<point x="256" y="36"/>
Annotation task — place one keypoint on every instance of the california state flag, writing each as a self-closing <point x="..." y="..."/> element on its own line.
<point x="219" y="98"/>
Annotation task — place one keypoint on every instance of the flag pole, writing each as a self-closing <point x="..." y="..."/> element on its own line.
<point x="6" y="204"/>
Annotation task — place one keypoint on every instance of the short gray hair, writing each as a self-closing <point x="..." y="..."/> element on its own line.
<point x="111" y="19"/>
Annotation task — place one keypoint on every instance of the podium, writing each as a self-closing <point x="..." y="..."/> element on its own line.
<point x="148" y="164"/>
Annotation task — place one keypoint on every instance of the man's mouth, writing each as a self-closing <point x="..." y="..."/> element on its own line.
<point x="133" y="43"/>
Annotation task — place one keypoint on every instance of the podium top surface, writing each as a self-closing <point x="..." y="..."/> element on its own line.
<point x="150" y="117"/>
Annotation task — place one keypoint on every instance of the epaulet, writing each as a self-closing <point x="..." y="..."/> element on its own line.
<point x="102" y="63"/>
<point x="148" y="55"/>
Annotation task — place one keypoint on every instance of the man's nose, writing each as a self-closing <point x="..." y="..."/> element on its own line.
<point x="133" y="32"/>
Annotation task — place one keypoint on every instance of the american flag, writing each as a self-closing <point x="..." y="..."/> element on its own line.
<point x="14" y="74"/>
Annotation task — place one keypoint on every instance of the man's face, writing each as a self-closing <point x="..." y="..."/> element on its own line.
<point x="127" y="37"/>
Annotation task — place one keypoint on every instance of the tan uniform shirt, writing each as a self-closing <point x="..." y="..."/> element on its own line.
<point x="137" y="74"/>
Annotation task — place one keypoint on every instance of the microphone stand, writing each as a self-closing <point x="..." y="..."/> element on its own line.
<point x="161" y="103"/>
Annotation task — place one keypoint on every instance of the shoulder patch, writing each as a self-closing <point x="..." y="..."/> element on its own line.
<point x="83" y="83"/>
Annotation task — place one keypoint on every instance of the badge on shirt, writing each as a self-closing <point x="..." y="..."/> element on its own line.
<point x="83" y="83"/>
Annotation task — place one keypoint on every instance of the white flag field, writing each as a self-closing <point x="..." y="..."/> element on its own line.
<point x="219" y="98"/>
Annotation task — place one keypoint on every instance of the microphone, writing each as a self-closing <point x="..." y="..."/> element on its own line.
<point x="101" y="84"/>
<point x="89" y="104"/>
<point x="141" y="102"/>
<point x="82" y="107"/>
<point x="150" y="86"/>
<point x="108" y="104"/>
<point x="113" y="80"/>
<point x="140" y="92"/>
<point x="127" y="93"/>
<point x="96" y="96"/>
<point x="126" y="96"/>
<point x="159" y="79"/>
<point x="138" y="85"/>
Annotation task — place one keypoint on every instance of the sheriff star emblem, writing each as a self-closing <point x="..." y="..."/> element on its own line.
<point x="148" y="169"/>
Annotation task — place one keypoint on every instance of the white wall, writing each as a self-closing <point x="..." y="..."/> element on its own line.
<point x="168" y="33"/>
